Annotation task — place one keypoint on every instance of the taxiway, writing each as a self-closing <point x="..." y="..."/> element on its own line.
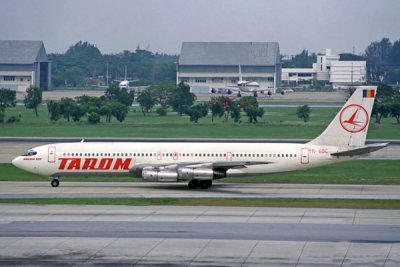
<point x="197" y="236"/>
<point x="180" y="190"/>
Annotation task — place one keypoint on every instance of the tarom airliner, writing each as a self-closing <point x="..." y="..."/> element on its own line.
<point x="202" y="162"/>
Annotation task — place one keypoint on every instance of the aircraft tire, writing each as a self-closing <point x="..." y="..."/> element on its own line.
<point x="193" y="184"/>
<point x="55" y="183"/>
<point x="205" y="184"/>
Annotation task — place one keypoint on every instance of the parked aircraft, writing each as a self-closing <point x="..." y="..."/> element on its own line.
<point x="202" y="162"/>
<point x="244" y="86"/>
<point x="125" y="83"/>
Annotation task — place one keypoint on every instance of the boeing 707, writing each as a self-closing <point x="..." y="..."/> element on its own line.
<point x="201" y="163"/>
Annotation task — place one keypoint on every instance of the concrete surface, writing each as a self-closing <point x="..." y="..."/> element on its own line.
<point x="38" y="235"/>
<point x="218" y="190"/>
<point x="296" y="96"/>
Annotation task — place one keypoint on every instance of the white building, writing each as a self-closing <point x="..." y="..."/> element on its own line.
<point x="212" y="65"/>
<point x="298" y="75"/>
<point x="323" y="65"/>
<point x="348" y="73"/>
<point x="24" y="63"/>
<point x="329" y="68"/>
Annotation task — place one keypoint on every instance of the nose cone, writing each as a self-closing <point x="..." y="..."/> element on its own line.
<point x="16" y="162"/>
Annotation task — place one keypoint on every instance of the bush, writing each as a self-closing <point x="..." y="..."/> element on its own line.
<point x="161" y="111"/>
<point x="94" y="118"/>
<point x="12" y="119"/>
<point x="1" y="117"/>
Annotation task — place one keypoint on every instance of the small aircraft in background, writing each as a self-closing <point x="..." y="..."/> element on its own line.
<point x="243" y="86"/>
<point x="125" y="83"/>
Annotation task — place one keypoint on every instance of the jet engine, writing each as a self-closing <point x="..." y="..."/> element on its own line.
<point x="187" y="173"/>
<point x="154" y="175"/>
<point x="151" y="174"/>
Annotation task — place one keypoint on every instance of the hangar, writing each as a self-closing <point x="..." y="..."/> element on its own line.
<point x="22" y="64"/>
<point x="207" y="65"/>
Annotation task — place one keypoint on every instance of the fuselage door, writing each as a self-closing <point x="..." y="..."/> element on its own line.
<point x="52" y="154"/>
<point x="304" y="156"/>
<point x="229" y="156"/>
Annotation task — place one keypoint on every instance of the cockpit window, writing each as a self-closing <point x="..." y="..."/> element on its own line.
<point x="30" y="153"/>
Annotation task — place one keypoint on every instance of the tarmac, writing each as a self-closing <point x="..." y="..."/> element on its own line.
<point x="39" y="235"/>
<point x="180" y="190"/>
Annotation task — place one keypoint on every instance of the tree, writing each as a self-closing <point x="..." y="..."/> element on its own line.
<point x="54" y="109"/>
<point x="197" y="111"/>
<point x="254" y="112"/>
<point x="146" y="101"/>
<point x="380" y="110"/>
<point x="377" y="55"/>
<point x="94" y="118"/>
<point x="216" y="108"/>
<point x="7" y="99"/>
<point x="395" y="111"/>
<point x="33" y="98"/>
<point x="119" y="111"/>
<point x="74" y="76"/>
<point x="78" y="112"/>
<point x="383" y="99"/>
<point x="162" y="93"/>
<point x="120" y="95"/>
<point x="302" y="60"/>
<point x="303" y="112"/>
<point x="229" y="107"/>
<point x="181" y="98"/>
<point x="67" y="106"/>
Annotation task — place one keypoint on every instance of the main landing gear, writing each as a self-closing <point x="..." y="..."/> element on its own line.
<point x="55" y="182"/>
<point x="203" y="184"/>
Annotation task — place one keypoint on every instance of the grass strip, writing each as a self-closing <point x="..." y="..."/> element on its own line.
<point x="229" y="202"/>
<point x="350" y="172"/>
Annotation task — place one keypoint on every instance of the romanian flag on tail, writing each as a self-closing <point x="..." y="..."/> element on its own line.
<point x="368" y="93"/>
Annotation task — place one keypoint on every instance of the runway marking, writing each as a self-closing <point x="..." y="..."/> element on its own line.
<point x="52" y="213"/>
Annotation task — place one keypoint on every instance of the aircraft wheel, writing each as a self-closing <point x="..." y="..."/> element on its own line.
<point x="255" y="94"/>
<point x="205" y="184"/>
<point x="55" y="183"/>
<point x="193" y="184"/>
<point x="239" y="95"/>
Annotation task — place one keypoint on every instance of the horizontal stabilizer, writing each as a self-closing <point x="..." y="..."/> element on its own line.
<point x="362" y="150"/>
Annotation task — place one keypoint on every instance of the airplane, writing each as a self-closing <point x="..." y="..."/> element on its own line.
<point x="125" y="83"/>
<point x="244" y="86"/>
<point x="201" y="163"/>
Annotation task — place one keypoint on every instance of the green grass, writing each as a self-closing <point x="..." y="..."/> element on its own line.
<point x="276" y="123"/>
<point x="237" y="202"/>
<point x="350" y="172"/>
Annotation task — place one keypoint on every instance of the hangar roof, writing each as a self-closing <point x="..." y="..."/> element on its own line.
<point x="230" y="53"/>
<point x="22" y="52"/>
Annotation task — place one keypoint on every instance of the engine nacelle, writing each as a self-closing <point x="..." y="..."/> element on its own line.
<point x="153" y="175"/>
<point x="187" y="173"/>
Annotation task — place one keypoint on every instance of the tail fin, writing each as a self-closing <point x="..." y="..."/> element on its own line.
<point x="349" y="128"/>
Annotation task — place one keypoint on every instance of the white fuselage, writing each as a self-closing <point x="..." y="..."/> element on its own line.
<point x="119" y="158"/>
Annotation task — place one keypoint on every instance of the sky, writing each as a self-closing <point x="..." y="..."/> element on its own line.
<point x="162" y="25"/>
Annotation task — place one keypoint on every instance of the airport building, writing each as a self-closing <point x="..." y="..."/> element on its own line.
<point x="330" y="69"/>
<point x="22" y="64"/>
<point x="214" y="65"/>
